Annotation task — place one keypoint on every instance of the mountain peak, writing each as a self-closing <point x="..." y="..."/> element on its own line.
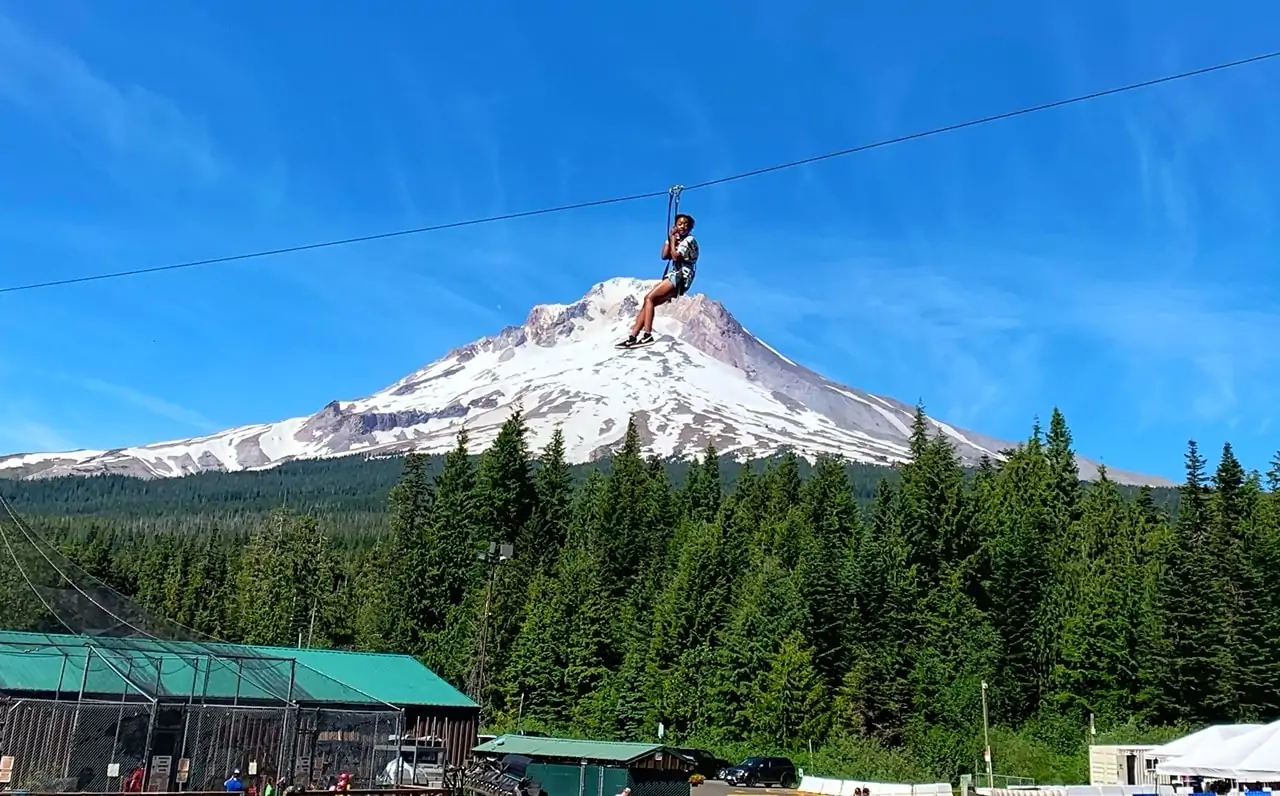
<point x="612" y="305"/>
<point x="706" y="381"/>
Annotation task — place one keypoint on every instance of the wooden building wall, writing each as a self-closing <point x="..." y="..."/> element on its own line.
<point x="457" y="727"/>
<point x="669" y="762"/>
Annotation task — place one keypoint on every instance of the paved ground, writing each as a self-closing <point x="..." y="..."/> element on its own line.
<point x="717" y="788"/>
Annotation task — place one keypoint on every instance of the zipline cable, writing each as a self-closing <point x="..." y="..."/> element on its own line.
<point x="329" y="243"/>
<point x="673" y="209"/>
<point x="951" y="128"/>
<point x="653" y="194"/>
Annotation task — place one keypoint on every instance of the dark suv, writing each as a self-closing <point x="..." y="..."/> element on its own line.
<point x="762" y="771"/>
<point x="705" y="763"/>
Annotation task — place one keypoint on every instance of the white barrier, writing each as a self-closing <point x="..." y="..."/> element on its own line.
<point x="825" y="786"/>
<point x="1080" y="790"/>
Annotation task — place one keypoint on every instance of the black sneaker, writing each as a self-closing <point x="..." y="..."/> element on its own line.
<point x="630" y="341"/>
<point x="645" y="339"/>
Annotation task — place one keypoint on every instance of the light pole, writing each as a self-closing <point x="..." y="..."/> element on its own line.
<point x="986" y="737"/>
<point x="496" y="553"/>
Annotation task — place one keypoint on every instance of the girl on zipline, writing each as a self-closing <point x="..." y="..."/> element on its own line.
<point x="681" y="252"/>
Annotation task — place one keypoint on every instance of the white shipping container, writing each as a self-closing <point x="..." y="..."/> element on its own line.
<point x="1121" y="765"/>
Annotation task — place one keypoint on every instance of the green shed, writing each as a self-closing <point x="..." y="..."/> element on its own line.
<point x="572" y="767"/>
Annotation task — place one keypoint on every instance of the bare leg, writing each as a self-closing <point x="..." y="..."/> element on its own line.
<point x="639" y="324"/>
<point x="661" y="292"/>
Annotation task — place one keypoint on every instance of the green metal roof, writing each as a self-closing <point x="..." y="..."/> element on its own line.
<point x="44" y="662"/>
<point x="610" y="751"/>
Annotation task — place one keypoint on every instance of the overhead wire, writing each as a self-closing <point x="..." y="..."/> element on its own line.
<point x="26" y="531"/>
<point x="330" y="243"/>
<point x="651" y="194"/>
<point x="34" y="541"/>
<point x="4" y="537"/>
<point x="951" y="128"/>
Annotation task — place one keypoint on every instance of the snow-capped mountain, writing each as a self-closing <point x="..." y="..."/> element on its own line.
<point x="706" y="380"/>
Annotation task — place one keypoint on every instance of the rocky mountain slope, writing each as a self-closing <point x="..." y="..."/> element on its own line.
<point x="706" y="381"/>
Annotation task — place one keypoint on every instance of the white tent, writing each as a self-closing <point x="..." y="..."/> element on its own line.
<point x="1208" y="738"/>
<point x="1255" y="750"/>
<point x="1262" y="764"/>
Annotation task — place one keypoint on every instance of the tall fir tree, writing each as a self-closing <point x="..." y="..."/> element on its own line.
<point x="1189" y="606"/>
<point x="1021" y="519"/>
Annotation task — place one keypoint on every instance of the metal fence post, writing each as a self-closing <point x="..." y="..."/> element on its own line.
<point x="146" y="754"/>
<point x="124" y="693"/>
<point x="288" y="740"/>
<point x="151" y="726"/>
<point x="75" y="719"/>
<point x="62" y="672"/>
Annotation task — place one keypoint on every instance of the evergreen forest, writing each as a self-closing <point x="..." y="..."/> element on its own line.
<point x="846" y="616"/>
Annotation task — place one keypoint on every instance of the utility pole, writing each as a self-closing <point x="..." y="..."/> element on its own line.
<point x="496" y="553"/>
<point x="311" y="631"/>
<point x="986" y="737"/>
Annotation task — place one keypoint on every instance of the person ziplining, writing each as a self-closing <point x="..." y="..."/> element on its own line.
<point x="680" y="250"/>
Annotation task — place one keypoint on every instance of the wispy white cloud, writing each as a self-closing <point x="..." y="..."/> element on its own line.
<point x="1180" y="351"/>
<point x="1192" y="350"/>
<point x="153" y="404"/>
<point x="20" y="433"/>
<point x="116" y="126"/>
<point x="966" y="344"/>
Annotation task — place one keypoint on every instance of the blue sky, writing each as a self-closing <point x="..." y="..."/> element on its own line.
<point x="1115" y="259"/>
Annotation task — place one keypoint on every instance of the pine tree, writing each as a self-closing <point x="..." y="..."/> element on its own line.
<point x="281" y="577"/>
<point x="506" y="511"/>
<point x="789" y="704"/>
<point x="1237" y="592"/>
<point x="1264" y="558"/>
<point x="1062" y="466"/>
<point x="766" y="609"/>
<point x="702" y="493"/>
<point x="685" y="637"/>
<point x="553" y="491"/>
<point x="1098" y="671"/>
<point x="951" y="658"/>
<point x="1190" y="606"/>
<point x="875" y="693"/>
<point x="414" y="609"/>
<point x="505" y="495"/>
<point x="1021" y="521"/>
<point x="535" y="679"/>
<point x="829" y="521"/>
<point x="376" y="620"/>
<point x="210" y="589"/>
<point x="625" y="529"/>
<point x="1155" y="657"/>
<point x="933" y="511"/>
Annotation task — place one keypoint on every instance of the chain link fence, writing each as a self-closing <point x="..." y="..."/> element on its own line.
<point x="139" y="746"/>
<point x="328" y="742"/>
<point x="133" y="716"/>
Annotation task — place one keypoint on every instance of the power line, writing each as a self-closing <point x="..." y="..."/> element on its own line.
<point x="987" y="119"/>
<point x="653" y="194"/>
<point x="327" y="244"/>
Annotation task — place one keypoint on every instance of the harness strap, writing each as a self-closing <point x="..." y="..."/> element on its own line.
<point x="673" y="208"/>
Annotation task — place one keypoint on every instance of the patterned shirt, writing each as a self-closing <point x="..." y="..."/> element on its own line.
<point x="687" y="251"/>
